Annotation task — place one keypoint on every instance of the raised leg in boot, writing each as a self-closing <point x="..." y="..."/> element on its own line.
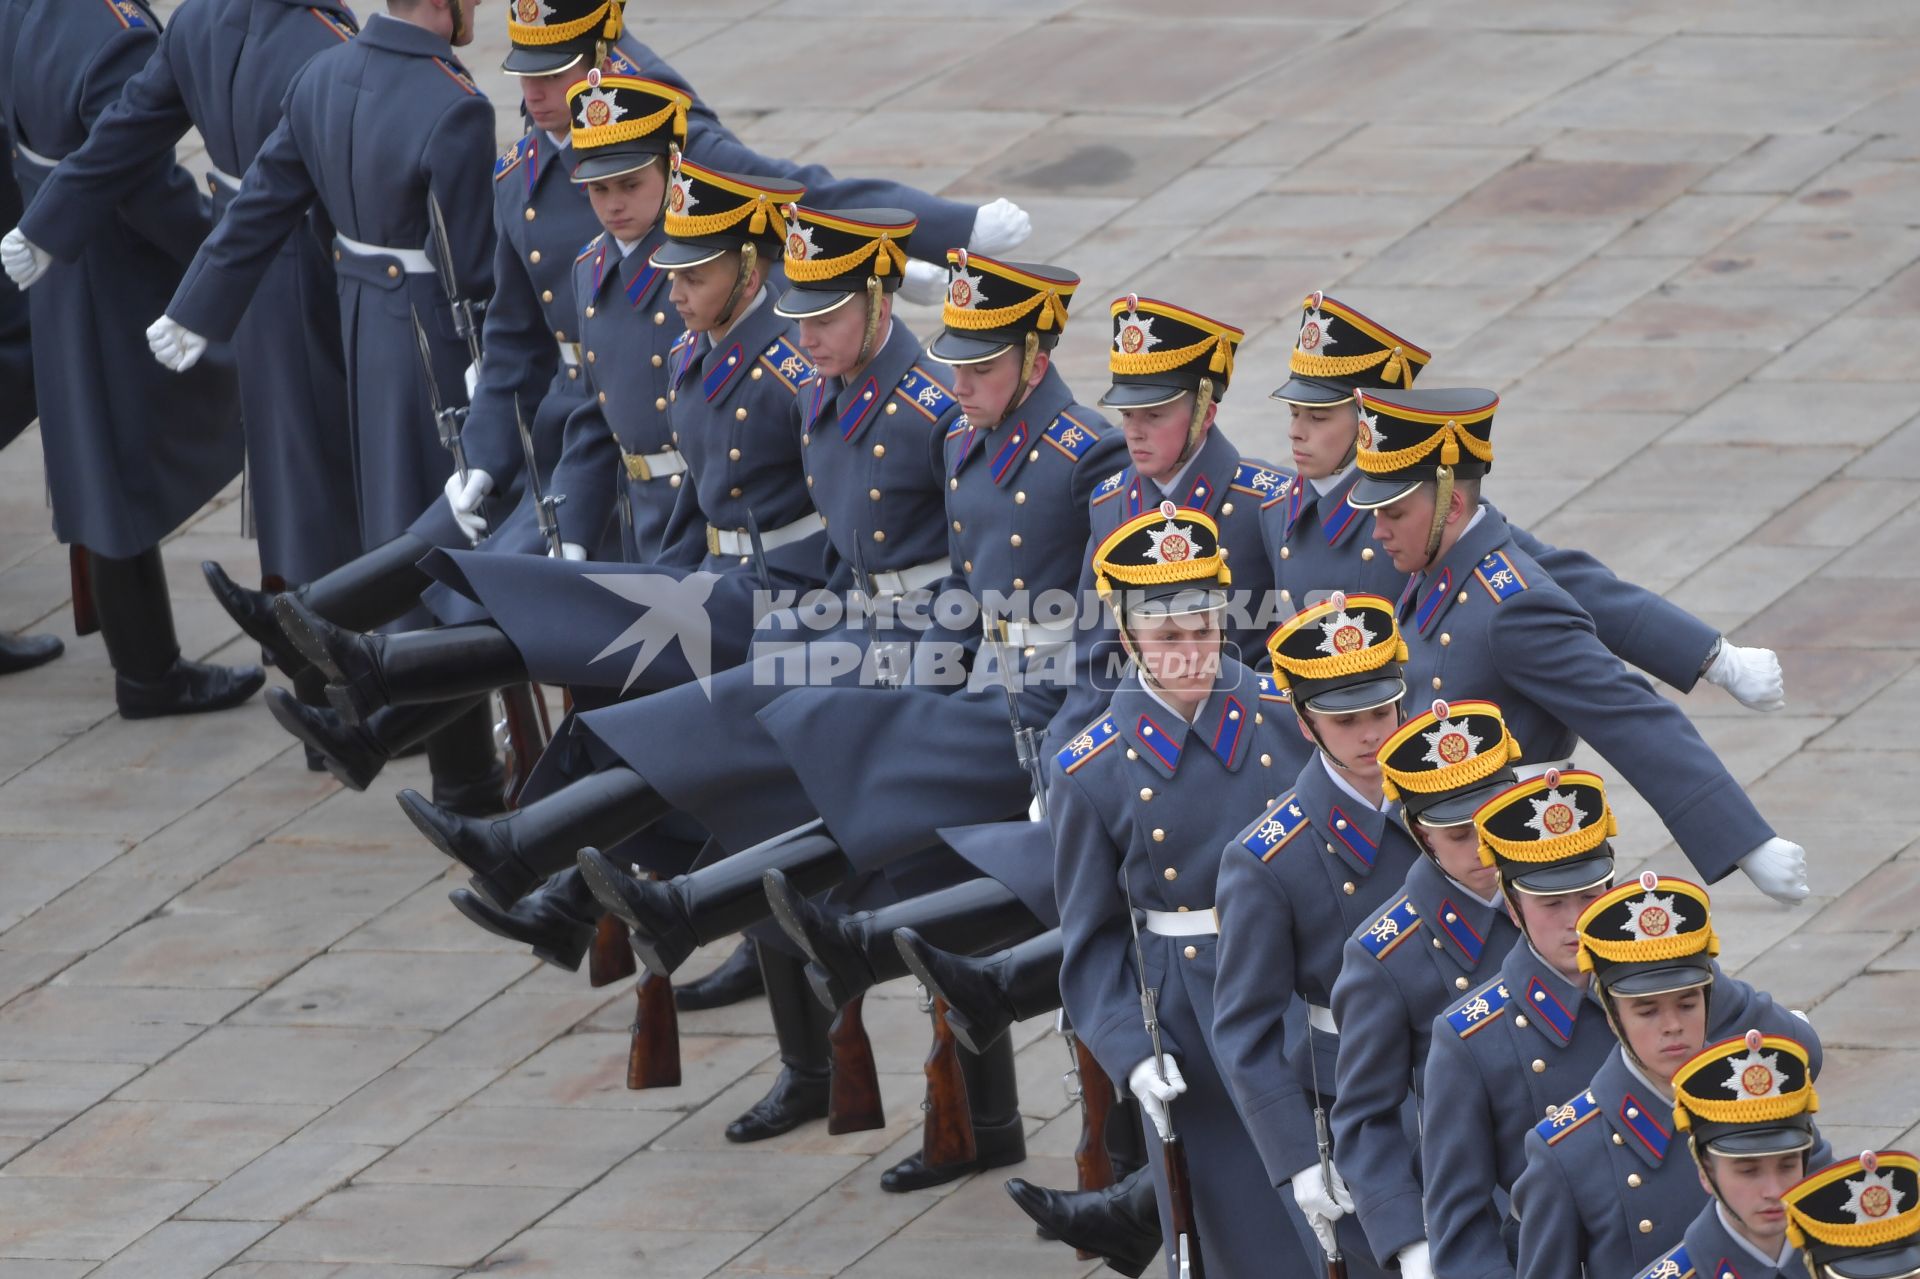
<point x="366" y="672"/>
<point x="356" y="754"/>
<point x="468" y="777"/>
<point x="672" y="918"/>
<point x="985" y="996"/>
<point x="993" y="1104"/>
<point x="151" y="678"/>
<point x="848" y="953"/>
<point x="799" y="1092"/>
<point x="511" y="856"/>
<point x="1120" y="1224"/>
<point x="557" y="919"/>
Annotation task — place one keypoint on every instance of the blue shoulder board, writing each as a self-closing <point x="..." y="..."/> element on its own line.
<point x="510" y="160"/>
<point x="591" y="245"/>
<point x="1090" y="741"/>
<point x="1499" y="576"/>
<point x="458" y="75"/>
<point x="1672" y="1265"/>
<point x="621" y="63"/>
<point x="1259" y="479"/>
<point x="1389" y="928"/>
<point x="1565" y="1119"/>
<point x="1109" y="486"/>
<point x="1272" y="692"/>
<point x="129" y="13"/>
<point x="1071" y="436"/>
<point x="1482" y="1008"/>
<point x="787" y="364"/>
<point x="1276" y="827"/>
<point x="920" y="390"/>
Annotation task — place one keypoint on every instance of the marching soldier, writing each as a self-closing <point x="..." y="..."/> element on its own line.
<point x="1316" y="536"/>
<point x="1746" y="1105"/>
<point x="17" y="652"/>
<point x="221" y="69"/>
<point x="1519" y="1045"/>
<point x="129" y="456"/>
<point x="1484" y="619"/>
<point x="1604" y="1186"/>
<point x="1858" y="1219"/>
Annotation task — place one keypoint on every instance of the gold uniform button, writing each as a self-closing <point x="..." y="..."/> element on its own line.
<point x="573" y="373"/>
<point x="1226" y="508"/>
<point x="1436" y="681"/>
<point x="589" y="313"/>
<point x="809" y="481"/>
<point x="1646" y="1226"/>
<point x="1521" y="1021"/>
<point x="534" y="257"/>
<point x="1347" y="888"/>
<point x="1146" y="793"/>
<point x="1437" y="943"/>
<point x="956" y="526"/>
<point x="892" y="408"/>
<point x="1539" y="1067"/>
<point x="336" y="255"/>
<point x="874" y="494"/>
<point x="603" y="398"/>
<point x="1019" y="499"/>
<point x="1445" y="639"/>
<point x="1459" y="983"/>
<point x="591" y="358"/>
<point x="1160" y="836"/>
<point x="754" y="376"/>
<point x="1266" y="761"/>
<point x="1171" y="873"/>
<point x="1461" y="598"/>
<point x="1191" y="952"/>
<point x="1340" y="823"/>
<point x="1617" y="1140"/>
<point x="659" y="317"/>
<point x="1020" y="584"/>
<point x="1034" y="456"/>
<point x="1014" y="540"/>
<point x="559" y="335"/>
<point x="1286" y="552"/>
<point x="879" y="450"/>
<point x="952" y="485"/>
<point x="393" y="272"/>
<point x="1633" y="1180"/>
<point x="740" y="414"/>
<point x="966" y="566"/>
<point x="656" y="360"/>
<point x="879" y="535"/>
<point x="1366" y="553"/>
<point x="659" y="404"/>
<point x="1132" y="753"/>
<point x="529" y="215"/>
<point x="546" y="295"/>
<point x="735" y="492"/>
<point x="733" y="455"/>
<point x="673" y="481"/>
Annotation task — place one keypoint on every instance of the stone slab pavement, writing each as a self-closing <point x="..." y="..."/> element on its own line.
<point x="241" y="1032"/>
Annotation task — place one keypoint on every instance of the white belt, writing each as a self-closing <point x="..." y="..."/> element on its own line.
<point x="726" y="541"/>
<point x="570" y="354"/>
<point x="412" y="261"/>
<point x="653" y="466"/>
<point x="900" y="581"/>
<point x="1321" y="1019"/>
<point x="227" y="180"/>
<point x="1039" y="634"/>
<point x="1527" y="772"/>
<point x="33" y="157"/>
<point x="1184" y="923"/>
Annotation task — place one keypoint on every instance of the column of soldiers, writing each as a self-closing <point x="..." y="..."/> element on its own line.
<point x="1286" y="824"/>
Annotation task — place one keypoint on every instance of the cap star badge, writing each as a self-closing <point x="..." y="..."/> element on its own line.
<point x="1368" y="423"/>
<point x="598" y="107"/>
<point x="1756" y="1074"/>
<point x="1450" y="742"/>
<point x="1343" y="633"/>
<point x="800" y="242"/>
<point x="964" y="289"/>
<point x="1172" y="544"/>
<point x="1314" y="334"/>
<point x="1135" y="334"/>
<point x="1872" y="1195"/>
<point x="531" y="13"/>
<point x="680" y="195"/>
<point x="1556" y="814"/>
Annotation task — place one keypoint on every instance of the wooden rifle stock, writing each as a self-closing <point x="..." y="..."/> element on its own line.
<point x="946" y="1134"/>
<point x="653" y="1057"/>
<point x="1180" y="1203"/>
<point x="853" y="1091"/>
<point x="80" y="571"/>
<point x="1090" y="1158"/>
<point x="610" y="959"/>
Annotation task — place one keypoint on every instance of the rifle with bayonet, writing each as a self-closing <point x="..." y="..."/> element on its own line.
<point x="1185" y="1240"/>
<point x="1323" y="1142"/>
<point x="448" y="419"/>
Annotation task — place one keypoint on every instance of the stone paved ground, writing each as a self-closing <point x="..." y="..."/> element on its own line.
<point x="242" y="1032"/>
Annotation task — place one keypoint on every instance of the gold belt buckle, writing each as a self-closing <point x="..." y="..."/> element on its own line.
<point x="713" y="540"/>
<point x="637" y="468"/>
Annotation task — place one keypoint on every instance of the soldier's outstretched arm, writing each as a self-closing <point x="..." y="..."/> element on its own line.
<point x="1460" y="1169"/>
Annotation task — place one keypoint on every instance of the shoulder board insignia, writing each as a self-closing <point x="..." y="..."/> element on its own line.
<point x="1482" y="1008"/>
<point x="1259" y="479"/>
<point x="1280" y="492"/>
<point x="333" y="24"/>
<point x="784" y="361"/>
<point x="1272" y="692"/>
<point x="129" y="13"/>
<point x="684" y="340"/>
<point x="1276" y="827"/>
<point x="1673" y="1265"/>
<point x="621" y="64"/>
<point x="1090" y="741"/>
<point x="510" y="160"/>
<point x="920" y="390"/>
<point x="1072" y="437"/>
<point x="593" y="244"/>
<point x="1499" y="576"/>
<point x="1390" y="927"/>
<point x="959" y="425"/>
<point x="1565" y="1119"/>
<point x="457" y="75"/>
<point x="1109" y="486"/>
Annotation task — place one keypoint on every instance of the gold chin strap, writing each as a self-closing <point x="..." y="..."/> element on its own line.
<point x="749" y="259"/>
<point x="1202" y="401"/>
<point x="1032" y="352"/>
<point x="1442" y="498"/>
<point x="874" y="294"/>
<point x="459" y="17"/>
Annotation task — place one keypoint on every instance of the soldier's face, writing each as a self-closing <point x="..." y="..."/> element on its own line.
<point x="1181" y="655"/>
<point x="832" y="341"/>
<point x="1355" y="738"/>
<point x="1664" y="1031"/>
<point x="1322" y="437"/>
<point x="1752" y="1191"/>
<point x="1549" y="923"/>
<point x="628" y="204"/>
<point x="1457" y="849"/>
<point x="1157" y="436"/>
<point x="986" y="389"/>
<point x="546" y="97"/>
<point x="1403" y="527"/>
<point x="700" y="292"/>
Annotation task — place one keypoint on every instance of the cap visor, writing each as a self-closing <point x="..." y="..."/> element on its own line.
<point x="800" y="304"/>
<point x="1754" y="1143"/>
<point x="1561" y="877"/>
<point x="1300" y="390"/>
<point x="1369" y="494"/>
<point x="1454" y="810"/>
<point x="675" y="256"/>
<point x="952" y="348"/>
<point x="1140" y="395"/>
<point x="1657" y="979"/>
<point x="1180" y="604"/>
<point x="595" y="168"/>
<point x="1899" y="1261"/>
<point x="539" y="61"/>
<point x="1358" y="697"/>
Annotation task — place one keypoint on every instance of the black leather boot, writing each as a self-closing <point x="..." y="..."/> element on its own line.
<point x="987" y="995"/>
<point x="24" y="652"/>
<point x="849" y="954"/>
<point x="253" y="610"/>
<point x="468" y="777"/>
<point x="670" y="919"/>
<point x="355" y="754"/>
<point x="373" y="589"/>
<point x="999" y="1138"/>
<point x="151" y="678"/>
<point x="799" y="1093"/>
<point x="512" y="855"/>
<point x="1120" y="1224"/>
<point x="366" y="672"/>
<point x="737" y="978"/>
<point x="557" y="919"/>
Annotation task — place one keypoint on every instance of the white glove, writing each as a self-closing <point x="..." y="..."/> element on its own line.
<point x="175" y="345"/>
<point x="464" y="500"/>
<point x="999" y="226"/>
<point x="1414" y="1261"/>
<point x="923" y="283"/>
<point x="568" y="551"/>
<point x="1779" y="869"/>
<point x="473" y="379"/>
<point x="1323" y="1205"/>
<point x="24" y="260"/>
<point x="1154" y="1092"/>
<point x="1752" y="675"/>
<point x="1033" y="811"/>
